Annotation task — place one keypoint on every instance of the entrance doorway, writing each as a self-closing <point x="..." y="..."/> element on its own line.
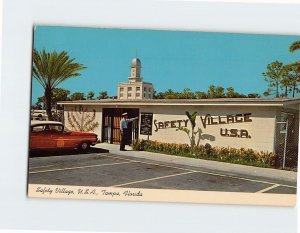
<point x="111" y="125"/>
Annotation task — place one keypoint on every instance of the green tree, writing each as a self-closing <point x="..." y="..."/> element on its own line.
<point x="58" y="94"/>
<point x="159" y="95"/>
<point x="292" y="79"/>
<point x="215" y="92"/>
<point x="187" y="94"/>
<point x="231" y="93"/>
<point x="103" y="95"/>
<point x="285" y="81"/>
<point x="170" y="94"/>
<point x="77" y="96"/>
<point x="273" y="76"/>
<point x="41" y="102"/>
<point x="90" y="95"/>
<point x="50" y="69"/>
<point x="201" y="95"/>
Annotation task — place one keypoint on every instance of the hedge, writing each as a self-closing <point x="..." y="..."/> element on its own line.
<point x="223" y="154"/>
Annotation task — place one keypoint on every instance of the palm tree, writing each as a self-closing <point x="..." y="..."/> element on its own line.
<point x="295" y="46"/>
<point x="50" y="69"/>
<point x="102" y="95"/>
<point x="192" y="134"/>
<point x="90" y="95"/>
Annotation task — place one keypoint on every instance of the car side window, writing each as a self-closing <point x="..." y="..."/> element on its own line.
<point x="56" y="128"/>
<point x="37" y="129"/>
<point x="47" y="128"/>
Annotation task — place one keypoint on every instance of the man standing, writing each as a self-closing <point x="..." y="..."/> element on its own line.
<point x="123" y="128"/>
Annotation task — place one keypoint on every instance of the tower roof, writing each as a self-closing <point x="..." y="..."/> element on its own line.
<point x="135" y="62"/>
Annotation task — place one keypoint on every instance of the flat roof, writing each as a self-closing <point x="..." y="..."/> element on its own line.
<point x="280" y="102"/>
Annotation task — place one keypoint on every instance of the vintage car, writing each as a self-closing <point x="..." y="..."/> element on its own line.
<point x="52" y="135"/>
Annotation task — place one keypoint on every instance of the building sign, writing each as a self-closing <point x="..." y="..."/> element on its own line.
<point x="228" y="119"/>
<point x="169" y="124"/>
<point x="146" y="123"/>
<point x="208" y="120"/>
<point x="242" y="133"/>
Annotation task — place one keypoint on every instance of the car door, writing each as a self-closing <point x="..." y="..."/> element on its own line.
<point x="58" y="139"/>
<point x="40" y="138"/>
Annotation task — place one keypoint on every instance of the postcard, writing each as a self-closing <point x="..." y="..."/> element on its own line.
<point x="168" y="116"/>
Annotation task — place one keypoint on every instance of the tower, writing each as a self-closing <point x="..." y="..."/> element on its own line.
<point x="135" y="70"/>
<point x="135" y="88"/>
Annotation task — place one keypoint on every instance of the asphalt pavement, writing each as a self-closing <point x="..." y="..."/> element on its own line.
<point x="105" y="166"/>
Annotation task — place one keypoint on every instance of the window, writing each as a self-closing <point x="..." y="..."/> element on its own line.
<point x="129" y="88"/>
<point x="138" y="94"/>
<point x="56" y="128"/>
<point x="145" y="88"/>
<point x="129" y="95"/>
<point x="149" y="90"/>
<point x="121" y="89"/>
<point x="38" y="128"/>
<point x="121" y="94"/>
<point x="47" y="128"/>
<point x="138" y="88"/>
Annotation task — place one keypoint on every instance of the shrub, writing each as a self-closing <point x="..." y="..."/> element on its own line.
<point x="224" y="154"/>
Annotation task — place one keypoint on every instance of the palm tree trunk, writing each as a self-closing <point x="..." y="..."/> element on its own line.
<point x="294" y="88"/>
<point x="48" y="96"/>
<point x="277" y="93"/>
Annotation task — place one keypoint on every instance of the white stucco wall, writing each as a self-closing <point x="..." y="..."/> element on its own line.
<point x="261" y="128"/>
<point x="85" y="118"/>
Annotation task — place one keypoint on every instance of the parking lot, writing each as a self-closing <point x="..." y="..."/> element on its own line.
<point x="102" y="169"/>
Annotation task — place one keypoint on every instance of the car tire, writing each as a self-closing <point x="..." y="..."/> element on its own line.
<point x="85" y="146"/>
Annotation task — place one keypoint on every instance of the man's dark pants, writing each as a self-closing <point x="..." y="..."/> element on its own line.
<point x="123" y="139"/>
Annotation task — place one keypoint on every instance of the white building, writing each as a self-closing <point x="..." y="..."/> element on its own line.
<point x="135" y="88"/>
<point x="269" y="125"/>
<point x="260" y="124"/>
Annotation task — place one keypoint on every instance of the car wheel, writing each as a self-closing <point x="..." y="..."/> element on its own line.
<point x="84" y="146"/>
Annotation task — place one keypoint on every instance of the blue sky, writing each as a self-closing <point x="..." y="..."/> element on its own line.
<point x="170" y="59"/>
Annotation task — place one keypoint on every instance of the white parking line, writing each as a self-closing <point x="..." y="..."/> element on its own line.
<point x="74" y="168"/>
<point x="163" y="165"/>
<point x="203" y="172"/>
<point x="156" y="164"/>
<point x="156" y="178"/>
<point x="30" y="168"/>
<point x="41" y="166"/>
<point x="269" y="188"/>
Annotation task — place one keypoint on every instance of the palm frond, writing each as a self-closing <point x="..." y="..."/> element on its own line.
<point x="192" y="118"/>
<point x="50" y="69"/>
<point x="293" y="66"/>
<point x="295" y="46"/>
